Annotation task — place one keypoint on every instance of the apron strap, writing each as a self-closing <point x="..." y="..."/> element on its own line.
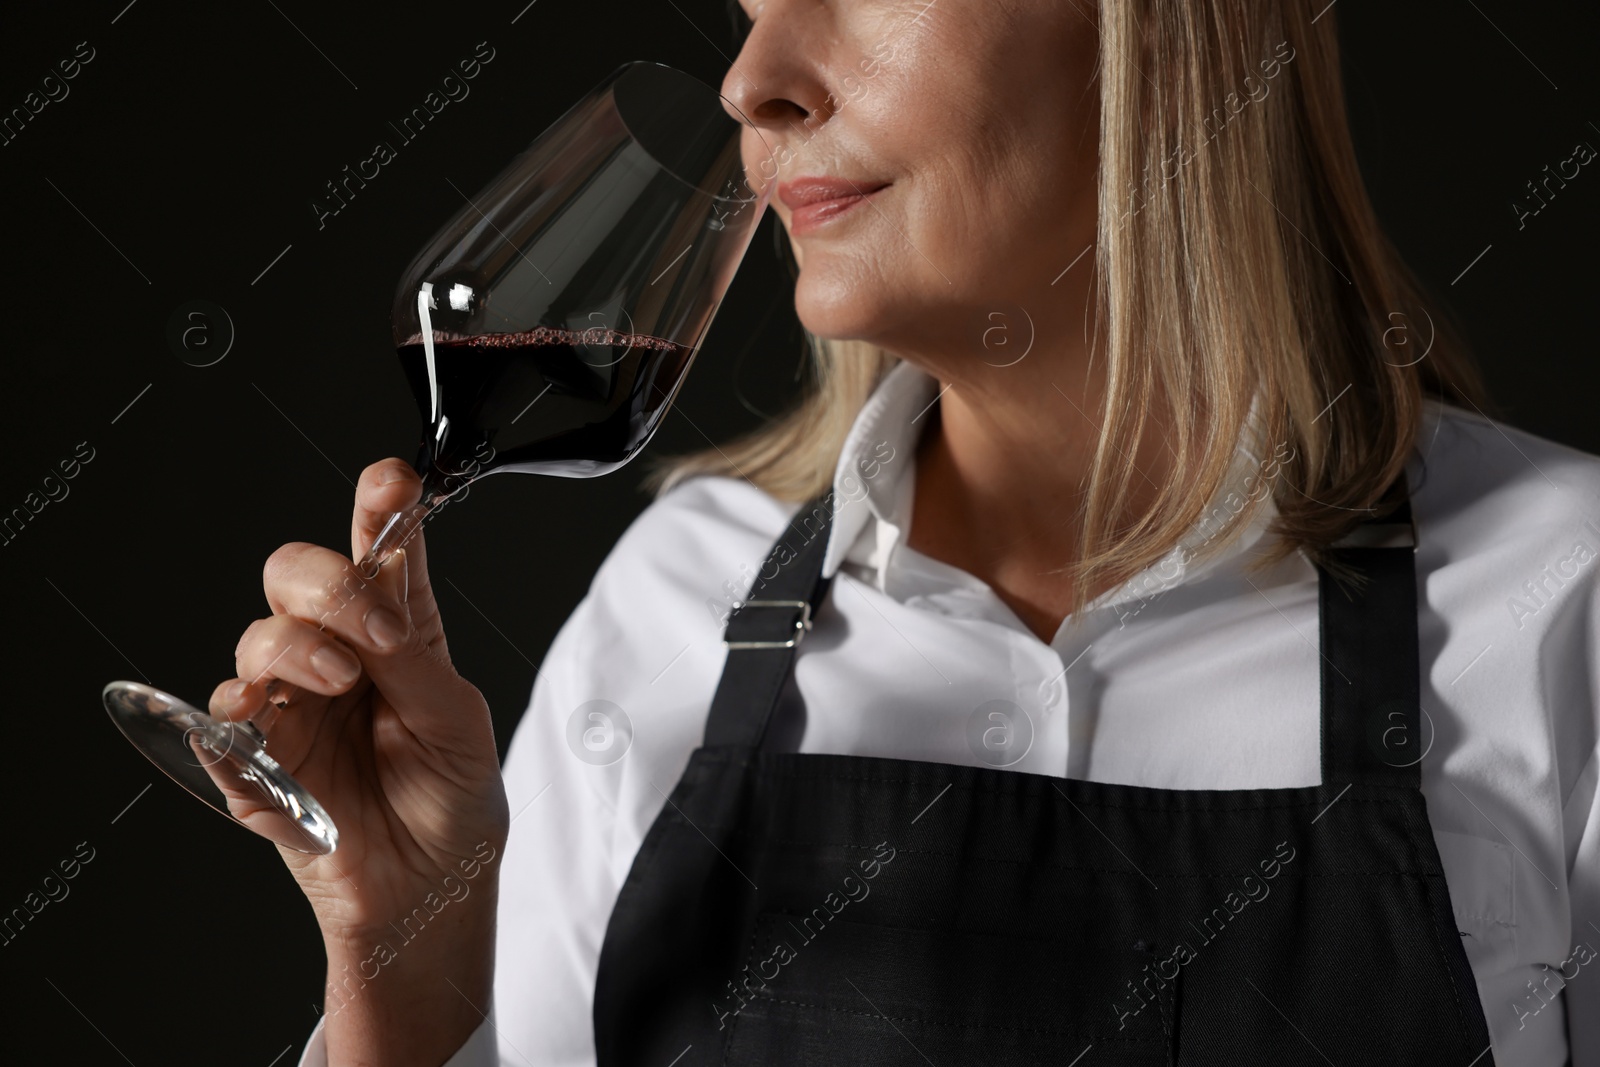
<point x="1371" y="691"/>
<point x="764" y="628"/>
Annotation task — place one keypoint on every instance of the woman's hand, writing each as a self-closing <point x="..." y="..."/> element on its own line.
<point x="400" y="750"/>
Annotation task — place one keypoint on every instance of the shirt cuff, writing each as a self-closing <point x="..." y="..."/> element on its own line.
<point x="479" y="1051"/>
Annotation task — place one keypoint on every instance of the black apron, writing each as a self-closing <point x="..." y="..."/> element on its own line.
<point x="789" y="909"/>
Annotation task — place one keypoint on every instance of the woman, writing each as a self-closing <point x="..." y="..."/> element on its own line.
<point x="1138" y="566"/>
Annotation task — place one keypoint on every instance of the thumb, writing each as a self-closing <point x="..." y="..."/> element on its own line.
<point x="394" y="578"/>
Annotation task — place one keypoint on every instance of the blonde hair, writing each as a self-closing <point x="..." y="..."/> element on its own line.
<point x="1237" y="255"/>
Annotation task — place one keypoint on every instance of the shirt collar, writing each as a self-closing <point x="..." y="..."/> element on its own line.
<point x="877" y="454"/>
<point x="873" y="482"/>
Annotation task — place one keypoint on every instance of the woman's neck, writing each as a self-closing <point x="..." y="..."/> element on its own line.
<point x="1000" y="478"/>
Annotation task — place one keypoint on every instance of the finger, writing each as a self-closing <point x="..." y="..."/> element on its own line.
<point x="242" y="700"/>
<point x="394" y="578"/>
<point x="236" y="699"/>
<point x="290" y="736"/>
<point x="385" y="487"/>
<point x="325" y="589"/>
<point x="410" y="667"/>
<point x="298" y="652"/>
<point x="243" y="803"/>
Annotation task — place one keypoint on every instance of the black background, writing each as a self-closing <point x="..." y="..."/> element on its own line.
<point x="186" y="158"/>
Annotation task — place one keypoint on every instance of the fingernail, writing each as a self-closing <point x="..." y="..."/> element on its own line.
<point x="390" y="474"/>
<point x="335" y="665"/>
<point x="234" y="692"/>
<point x="386" y="629"/>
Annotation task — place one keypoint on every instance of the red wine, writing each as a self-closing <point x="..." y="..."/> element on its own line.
<point x="570" y="403"/>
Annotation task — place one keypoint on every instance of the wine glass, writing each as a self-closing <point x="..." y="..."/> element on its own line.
<point x="546" y="328"/>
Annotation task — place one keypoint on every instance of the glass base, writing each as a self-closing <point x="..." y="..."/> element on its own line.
<point x="223" y="763"/>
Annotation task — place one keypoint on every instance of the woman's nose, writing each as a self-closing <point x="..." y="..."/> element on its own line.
<point x="779" y="78"/>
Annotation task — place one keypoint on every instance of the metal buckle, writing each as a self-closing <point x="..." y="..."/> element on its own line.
<point x="802" y="622"/>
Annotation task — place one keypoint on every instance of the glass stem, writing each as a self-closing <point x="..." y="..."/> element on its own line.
<point x="395" y="534"/>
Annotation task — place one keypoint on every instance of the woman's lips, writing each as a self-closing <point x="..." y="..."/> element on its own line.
<point x="812" y="202"/>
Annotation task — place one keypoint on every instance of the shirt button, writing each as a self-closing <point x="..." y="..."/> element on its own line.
<point x="1051" y="691"/>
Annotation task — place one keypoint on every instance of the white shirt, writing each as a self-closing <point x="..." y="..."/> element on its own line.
<point x="1212" y="682"/>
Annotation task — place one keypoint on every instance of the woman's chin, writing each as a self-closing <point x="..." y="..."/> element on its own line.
<point x="841" y="312"/>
